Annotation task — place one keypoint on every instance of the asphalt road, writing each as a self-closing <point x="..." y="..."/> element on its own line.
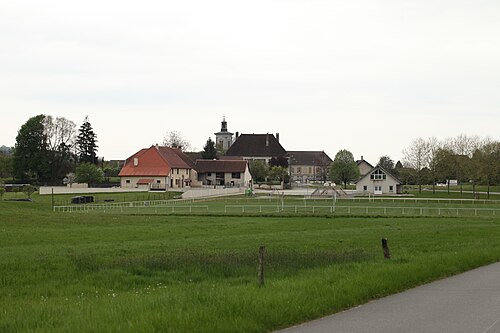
<point x="465" y="303"/>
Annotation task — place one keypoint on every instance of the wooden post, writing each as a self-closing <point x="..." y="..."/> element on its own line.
<point x="261" y="265"/>
<point x="385" y="247"/>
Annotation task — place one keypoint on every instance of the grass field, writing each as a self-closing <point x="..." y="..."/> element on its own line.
<point x="106" y="272"/>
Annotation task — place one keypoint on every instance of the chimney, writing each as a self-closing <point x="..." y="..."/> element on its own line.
<point x="157" y="147"/>
<point x="237" y="135"/>
<point x="136" y="161"/>
<point x="278" y="137"/>
<point x="267" y="140"/>
<point x="362" y="157"/>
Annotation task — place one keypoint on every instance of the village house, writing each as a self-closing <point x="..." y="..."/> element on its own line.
<point x="306" y="166"/>
<point x="229" y="173"/>
<point x="158" y="168"/>
<point x="379" y="181"/>
<point x="364" y="166"/>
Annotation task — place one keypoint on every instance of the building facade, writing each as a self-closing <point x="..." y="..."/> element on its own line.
<point x="158" y="168"/>
<point x="307" y="166"/>
<point x="379" y="181"/>
<point x="228" y="173"/>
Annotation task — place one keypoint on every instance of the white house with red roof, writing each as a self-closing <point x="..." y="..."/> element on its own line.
<point x="158" y="168"/>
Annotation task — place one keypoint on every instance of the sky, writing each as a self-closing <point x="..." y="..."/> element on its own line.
<point x="366" y="76"/>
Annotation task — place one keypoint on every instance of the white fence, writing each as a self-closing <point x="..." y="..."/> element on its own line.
<point x="185" y="206"/>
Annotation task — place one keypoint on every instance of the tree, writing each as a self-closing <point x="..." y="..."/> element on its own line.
<point x="2" y="192"/>
<point x="278" y="173"/>
<point x="89" y="173"/>
<point x="6" y="170"/>
<point x="417" y="156"/>
<point x="86" y="143"/>
<point x="175" y="139"/>
<point x="445" y="165"/>
<point x="259" y="170"/>
<point x="344" y="168"/>
<point x="209" y="151"/>
<point x="487" y="164"/>
<point x="31" y="157"/>
<point x="387" y="163"/>
<point x="29" y="190"/>
<point x="61" y="136"/>
<point x="279" y="161"/>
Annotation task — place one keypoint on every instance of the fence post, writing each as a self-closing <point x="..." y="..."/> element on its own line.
<point x="261" y="265"/>
<point x="385" y="247"/>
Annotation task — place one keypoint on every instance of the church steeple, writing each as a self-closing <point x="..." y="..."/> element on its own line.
<point x="223" y="127"/>
<point x="223" y="139"/>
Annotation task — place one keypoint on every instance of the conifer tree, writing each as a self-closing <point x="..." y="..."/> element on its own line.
<point x="86" y="143"/>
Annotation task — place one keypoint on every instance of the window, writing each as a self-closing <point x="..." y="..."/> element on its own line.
<point x="177" y="171"/>
<point x="236" y="175"/>
<point x="158" y="182"/>
<point x="127" y="181"/>
<point x="310" y="170"/>
<point x="378" y="188"/>
<point x="209" y="174"/>
<point x="391" y="188"/>
<point x="299" y="169"/>
<point x="378" y="175"/>
<point x="292" y="169"/>
<point x="365" y="188"/>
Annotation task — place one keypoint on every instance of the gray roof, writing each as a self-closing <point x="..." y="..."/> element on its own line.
<point x="256" y="145"/>
<point x="319" y="158"/>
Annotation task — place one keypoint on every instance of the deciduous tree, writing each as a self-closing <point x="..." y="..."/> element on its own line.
<point x="89" y="173"/>
<point x="344" y="168"/>
<point x="417" y="156"/>
<point x="259" y="170"/>
<point x="31" y="156"/>
<point x="175" y="139"/>
<point x="387" y="163"/>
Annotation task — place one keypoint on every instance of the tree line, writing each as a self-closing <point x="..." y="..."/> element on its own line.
<point x="49" y="149"/>
<point x="466" y="159"/>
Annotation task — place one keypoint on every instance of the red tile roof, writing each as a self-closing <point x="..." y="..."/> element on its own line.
<point x="155" y="161"/>
<point x="145" y="181"/>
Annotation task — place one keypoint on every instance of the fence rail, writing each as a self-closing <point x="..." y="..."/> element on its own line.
<point x="183" y="206"/>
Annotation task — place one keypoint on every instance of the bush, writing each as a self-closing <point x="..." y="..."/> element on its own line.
<point x="89" y="173"/>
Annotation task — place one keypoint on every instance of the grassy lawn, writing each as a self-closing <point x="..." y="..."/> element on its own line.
<point x="63" y="272"/>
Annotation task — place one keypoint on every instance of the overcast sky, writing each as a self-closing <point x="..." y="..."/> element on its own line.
<point x="367" y="76"/>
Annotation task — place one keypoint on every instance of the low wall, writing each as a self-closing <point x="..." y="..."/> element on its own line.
<point x="44" y="190"/>
<point x="211" y="192"/>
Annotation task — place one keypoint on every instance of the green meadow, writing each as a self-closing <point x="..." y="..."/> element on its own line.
<point x="138" y="271"/>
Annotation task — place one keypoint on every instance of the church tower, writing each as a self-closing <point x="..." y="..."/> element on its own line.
<point x="223" y="139"/>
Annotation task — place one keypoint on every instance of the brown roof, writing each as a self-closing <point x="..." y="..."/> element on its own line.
<point x="319" y="158"/>
<point x="204" y="166"/>
<point x="258" y="145"/>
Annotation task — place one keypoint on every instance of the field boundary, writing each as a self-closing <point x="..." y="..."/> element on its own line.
<point x="188" y="205"/>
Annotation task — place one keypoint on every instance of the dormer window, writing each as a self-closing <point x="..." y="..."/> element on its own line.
<point x="378" y="175"/>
